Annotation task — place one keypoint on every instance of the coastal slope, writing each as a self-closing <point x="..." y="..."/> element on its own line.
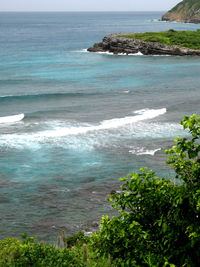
<point x="186" y="11"/>
<point x="120" y="43"/>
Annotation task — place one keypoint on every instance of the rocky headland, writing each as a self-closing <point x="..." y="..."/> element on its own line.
<point x="187" y="11"/>
<point x="117" y="44"/>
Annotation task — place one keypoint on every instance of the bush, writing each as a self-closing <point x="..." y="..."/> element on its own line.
<point x="77" y="239"/>
<point x="171" y="30"/>
<point x="14" y="253"/>
<point x="159" y="220"/>
<point x="190" y="39"/>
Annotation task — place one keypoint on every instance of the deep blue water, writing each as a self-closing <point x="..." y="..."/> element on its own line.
<point x="89" y="118"/>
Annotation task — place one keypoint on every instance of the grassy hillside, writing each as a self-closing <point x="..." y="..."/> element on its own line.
<point x="185" y="11"/>
<point x="187" y="5"/>
<point x="190" y="39"/>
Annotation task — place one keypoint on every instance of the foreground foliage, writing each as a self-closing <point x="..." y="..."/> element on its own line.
<point x="189" y="39"/>
<point x="69" y="251"/>
<point x="158" y="222"/>
<point x="30" y="253"/>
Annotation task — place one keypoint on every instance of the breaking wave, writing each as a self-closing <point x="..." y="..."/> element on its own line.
<point x="107" y="133"/>
<point x="144" y="114"/>
<point x="120" y="54"/>
<point x="11" y="119"/>
<point x="143" y="151"/>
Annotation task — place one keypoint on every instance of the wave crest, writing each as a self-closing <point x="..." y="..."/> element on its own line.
<point x="143" y="151"/>
<point x="11" y="119"/>
<point x="144" y="114"/>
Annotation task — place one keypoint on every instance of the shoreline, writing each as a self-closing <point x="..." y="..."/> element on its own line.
<point x="116" y="44"/>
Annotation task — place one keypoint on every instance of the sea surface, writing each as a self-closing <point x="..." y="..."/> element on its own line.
<point x="73" y="122"/>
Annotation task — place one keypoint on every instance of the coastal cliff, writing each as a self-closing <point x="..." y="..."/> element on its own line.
<point x="118" y="43"/>
<point x="186" y="11"/>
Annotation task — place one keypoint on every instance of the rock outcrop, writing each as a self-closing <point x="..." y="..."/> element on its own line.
<point x="186" y="11"/>
<point x="116" y="44"/>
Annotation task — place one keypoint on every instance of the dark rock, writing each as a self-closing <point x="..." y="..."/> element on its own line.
<point x="113" y="192"/>
<point x="116" y="45"/>
<point x="95" y="224"/>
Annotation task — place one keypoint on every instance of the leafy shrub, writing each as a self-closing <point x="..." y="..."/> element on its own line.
<point x="14" y="253"/>
<point x="76" y="239"/>
<point x="171" y="30"/>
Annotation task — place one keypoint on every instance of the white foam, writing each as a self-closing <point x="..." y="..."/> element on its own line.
<point x="87" y="136"/>
<point x="141" y="111"/>
<point x="11" y="119"/>
<point x="105" y="53"/>
<point x="131" y="54"/>
<point x="161" y="55"/>
<point x="137" y="54"/>
<point x="142" y="151"/>
<point x="81" y="51"/>
<point x="120" y="54"/>
<point x="145" y="114"/>
<point x="6" y="96"/>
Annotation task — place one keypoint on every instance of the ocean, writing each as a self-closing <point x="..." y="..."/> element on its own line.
<point x="73" y="122"/>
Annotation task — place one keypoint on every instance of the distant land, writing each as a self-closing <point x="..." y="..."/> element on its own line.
<point x="187" y="11"/>
<point x="171" y="42"/>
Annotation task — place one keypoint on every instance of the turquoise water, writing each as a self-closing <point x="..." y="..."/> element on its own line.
<point x="88" y="118"/>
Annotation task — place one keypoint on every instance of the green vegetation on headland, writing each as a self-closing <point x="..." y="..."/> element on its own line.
<point x="158" y="222"/>
<point x="185" y="11"/>
<point x="189" y="39"/>
<point x="191" y="4"/>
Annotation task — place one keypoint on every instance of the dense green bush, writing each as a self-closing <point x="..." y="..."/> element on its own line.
<point x="77" y="252"/>
<point x="159" y="220"/>
<point x="15" y="253"/>
<point x="190" y="39"/>
<point x="77" y="239"/>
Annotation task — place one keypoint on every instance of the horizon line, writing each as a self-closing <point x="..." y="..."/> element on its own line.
<point x="73" y="11"/>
